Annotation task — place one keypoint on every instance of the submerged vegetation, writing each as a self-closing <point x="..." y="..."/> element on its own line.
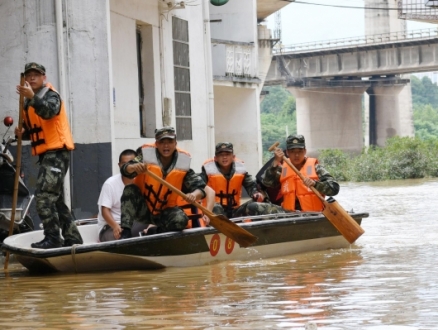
<point x="400" y="158"/>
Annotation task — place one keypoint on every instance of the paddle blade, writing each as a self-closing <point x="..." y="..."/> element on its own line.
<point x="231" y="230"/>
<point x="342" y="221"/>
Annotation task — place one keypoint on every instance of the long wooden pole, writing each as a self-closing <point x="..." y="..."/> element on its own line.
<point x="220" y="222"/>
<point x="17" y="168"/>
<point x="342" y="221"/>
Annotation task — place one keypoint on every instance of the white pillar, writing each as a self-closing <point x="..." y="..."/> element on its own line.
<point x="393" y="113"/>
<point x="330" y="118"/>
<point x="382" y="21"/>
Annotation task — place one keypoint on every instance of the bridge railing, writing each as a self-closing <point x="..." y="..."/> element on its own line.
<point x="358" y="41"/>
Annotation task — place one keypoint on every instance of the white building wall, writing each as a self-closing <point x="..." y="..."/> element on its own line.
<point x="237" y="108"/>
<point x="29" y="34"/>
<point x="158" y="62"/>
<point x="23" y="40"/>
<point x="238" y="21"/>
<point x="100" y="56"/>
<point x="125" y="75"/>
<point x="88" y="71"/>
<point x="234" y="111"/>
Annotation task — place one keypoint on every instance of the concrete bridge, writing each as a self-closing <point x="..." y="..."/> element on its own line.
<point x="342" y="84"/>
<point x="361" y="57"/>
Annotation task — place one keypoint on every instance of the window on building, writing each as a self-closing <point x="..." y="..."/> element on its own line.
<point x="181" y="67"/>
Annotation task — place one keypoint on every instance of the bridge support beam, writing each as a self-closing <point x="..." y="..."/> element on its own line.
<point x="390" y="113"/>
<point x="330" y="118"/>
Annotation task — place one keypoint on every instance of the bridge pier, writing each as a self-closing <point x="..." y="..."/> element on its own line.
<point x="330" y="118"/>
<point x="390" y="113"/>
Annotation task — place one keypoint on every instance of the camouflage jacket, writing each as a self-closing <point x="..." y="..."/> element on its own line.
<point x="191" y="182"/>
<point x="248" y="182"/>
<point x="326" y="184"/>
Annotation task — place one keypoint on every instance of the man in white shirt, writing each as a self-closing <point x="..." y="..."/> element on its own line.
<point x="108" y="220"/>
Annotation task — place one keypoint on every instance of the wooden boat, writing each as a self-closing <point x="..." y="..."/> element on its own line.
<point x="278" y="235"/>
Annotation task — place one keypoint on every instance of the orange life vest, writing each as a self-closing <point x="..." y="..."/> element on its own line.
<point x="48" y="134"/>
<point x="227" y="191"/>
<point x="157" y="196"/>
<point x="292" y="187"/>
<point x="191" y="210"/>
<point x="195" y="214"/>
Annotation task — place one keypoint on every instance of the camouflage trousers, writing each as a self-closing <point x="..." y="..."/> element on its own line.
<point x="49" y="197"/>
<point x="249" y="208"/>
<point x="133" y="208"/>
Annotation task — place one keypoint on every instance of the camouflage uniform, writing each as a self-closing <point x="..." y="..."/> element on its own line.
<point x="250" y="207"/>
<point x="133" y="204"/>
<point x="49" y="196"/>
<point x="49" y="193"/>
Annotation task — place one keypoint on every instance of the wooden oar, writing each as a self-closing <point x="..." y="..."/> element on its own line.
<point x="342" y="221"/>
<point x="220" y="222"/>
<point x="17" y="168"/>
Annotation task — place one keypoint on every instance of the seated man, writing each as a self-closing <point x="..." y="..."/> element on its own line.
<point x="226" y="175"/>
<point x="149" y="201"/>
<point x="273" y="194"/>
<point x="296" y="194"/>
<point x="108" y="220"/>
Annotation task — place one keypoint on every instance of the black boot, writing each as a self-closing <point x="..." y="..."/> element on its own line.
<point x="71" y="242"/>
<point x="48" y="243"/>
<point x="126" y="233"/>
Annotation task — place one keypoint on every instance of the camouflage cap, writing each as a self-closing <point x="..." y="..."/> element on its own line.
<point x="34" y="66"/>
<point x="166" y="132"/>
<point x="224" y="147"/>
<point x="295" y="141"/>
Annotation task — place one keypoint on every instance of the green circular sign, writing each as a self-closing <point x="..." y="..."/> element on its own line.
<point x="218" y="2"/>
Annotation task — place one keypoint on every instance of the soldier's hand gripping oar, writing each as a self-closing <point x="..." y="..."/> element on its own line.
<point x="342" y="221"/>
<point x="220" y="222"/>
<point x="17" y="169"/>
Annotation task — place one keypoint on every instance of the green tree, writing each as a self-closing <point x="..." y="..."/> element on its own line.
<point x="401" y="158"/>
<point x="424" y="91"/>
<point x="278" y="118"/>
<point x="275" y="99"/>
<point x="425" y="121"/>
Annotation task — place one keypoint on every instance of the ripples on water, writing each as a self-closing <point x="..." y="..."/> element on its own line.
<point x="386" y="281"/>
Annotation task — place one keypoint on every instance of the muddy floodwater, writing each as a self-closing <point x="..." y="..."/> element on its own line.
<point x="387" y="280"/>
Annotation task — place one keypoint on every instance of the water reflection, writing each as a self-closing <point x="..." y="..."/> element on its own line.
<point x="384" y="281"/>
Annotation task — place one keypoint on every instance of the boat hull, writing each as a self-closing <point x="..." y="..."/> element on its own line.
<point x="191" y="247"/>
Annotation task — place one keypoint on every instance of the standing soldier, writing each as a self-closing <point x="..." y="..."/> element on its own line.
<point x="46" y="124"/>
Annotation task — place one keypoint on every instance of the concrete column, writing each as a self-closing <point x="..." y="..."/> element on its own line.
<point x="390" y="113"/>
<point x="330" y="118"/>
<point x="265" y="51"/>
<point x="382" y="21"/>
<point x="366" y="119"/>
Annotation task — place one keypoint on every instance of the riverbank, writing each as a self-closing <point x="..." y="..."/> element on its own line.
<point x="401" y="158"/>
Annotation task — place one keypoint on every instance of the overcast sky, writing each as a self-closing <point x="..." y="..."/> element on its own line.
<point x="306" y="22"/>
